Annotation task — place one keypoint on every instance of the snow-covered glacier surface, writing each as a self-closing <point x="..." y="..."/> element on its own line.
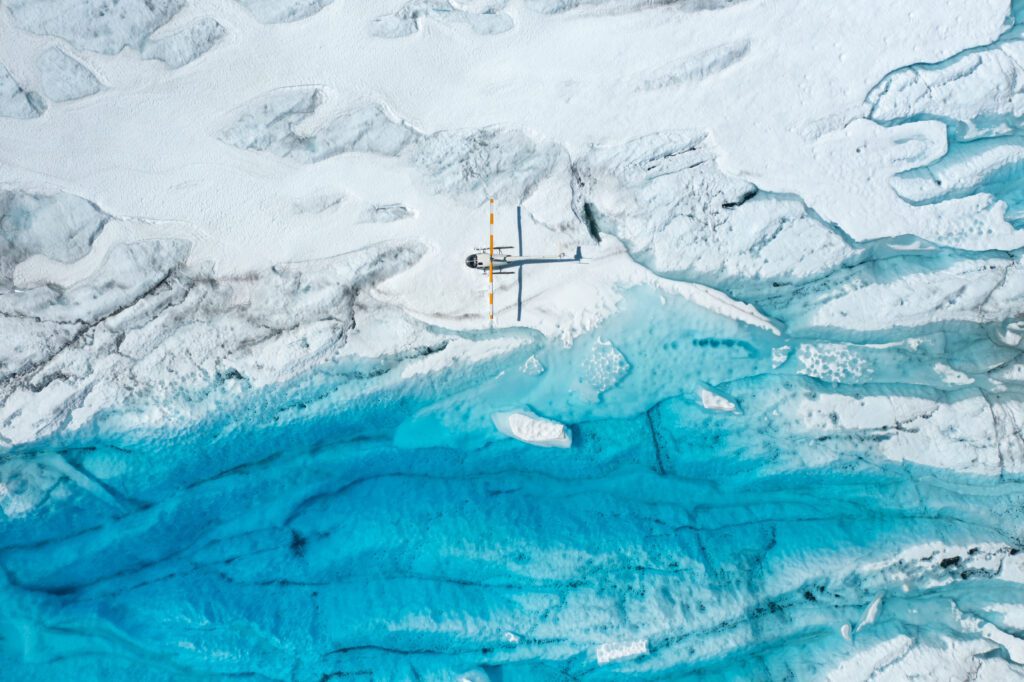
<point x="254" y="422"/>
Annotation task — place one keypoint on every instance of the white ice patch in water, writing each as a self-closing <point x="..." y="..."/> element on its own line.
<point x="779" y="356"/>
<point x="529" y="428"/>
<point x="532" y="366"/>
<point x="952" y="376"/>
<point x="606" y="366"/>
<point x="871" y="614"/>
<point x="710" y="400"/>
<point x="614" y="651"/>
<point x="833" y="362"/>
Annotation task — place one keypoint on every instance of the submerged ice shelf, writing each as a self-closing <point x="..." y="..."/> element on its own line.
<point x="254" y="424"/>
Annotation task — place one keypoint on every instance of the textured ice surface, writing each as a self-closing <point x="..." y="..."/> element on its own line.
<point x="15" y="101"/>
<point x="58" y="226"/>
<point x="679" y="214"/>
<point x="96" y="25"/>
<point x="532" y="429"/>
<point x="63" y="78"/>
<point x="255" y="423"/>
<point x="503" y="163"/>
<point x="182" y="47"/>
<point x="487" y="19"/>
<point x="278" y="11"/>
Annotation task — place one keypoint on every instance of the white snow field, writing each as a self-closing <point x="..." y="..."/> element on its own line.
<point x="203" y="199"/>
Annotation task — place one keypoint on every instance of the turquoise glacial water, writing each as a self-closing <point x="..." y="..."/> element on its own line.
<point x="347" y="527"/>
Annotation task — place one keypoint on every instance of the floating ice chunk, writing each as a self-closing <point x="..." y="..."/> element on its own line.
<point x="833" y="362"/>
<point x="15" y="101"/>
<point x="871" y="613"/>
<point x="283" y="11"/>
<point x="63" y="78"/>
<point x="952" y="376"/>
<point x="779" y="356"/>
<point x="606" y="366"/>
<point x="615" y="651"/>
<point x="529" y="428"/>
<point x="184" y="46"/>
<point x="711" y="400"/>
<point x="846" y="631"/>
<point x="94" y="24"/>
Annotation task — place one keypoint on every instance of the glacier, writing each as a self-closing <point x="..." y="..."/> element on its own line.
<point x="254" y="422"/>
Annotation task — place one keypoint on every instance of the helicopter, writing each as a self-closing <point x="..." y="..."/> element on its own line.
<point x="495" y="260"/>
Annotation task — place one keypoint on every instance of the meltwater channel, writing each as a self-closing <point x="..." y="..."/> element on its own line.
<point x="341" y="529"/>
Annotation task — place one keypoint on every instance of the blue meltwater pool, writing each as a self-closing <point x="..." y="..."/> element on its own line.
<point x="339" y="528"/>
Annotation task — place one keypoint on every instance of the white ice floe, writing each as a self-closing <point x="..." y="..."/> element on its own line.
<point x="715" y="402"/>
<point x="870" y="614"/>
<point x="529" y="428"/>
<point x="952" y="376"/>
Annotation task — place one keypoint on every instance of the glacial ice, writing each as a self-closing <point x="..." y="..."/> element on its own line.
<point x="529" y="428"/>
<point x="15" y="101"/>
<point x="95" y="25"/>
<point x="486" y="20"/>
<point x="283" y="11"/>
<point x="796" y="450"/>
<point x="556" y="6"/>
<point x="681" y="216"/>
<point x="697" y="66"/>
<point x="181" y="47"/>
<point x="506" y="164"/>
<point x="59" y="226"/>
<point x="64" y="78"/>
<point x="980" y="91"/>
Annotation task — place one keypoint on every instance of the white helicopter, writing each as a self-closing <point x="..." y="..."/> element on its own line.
<point x="486" y="260"/>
